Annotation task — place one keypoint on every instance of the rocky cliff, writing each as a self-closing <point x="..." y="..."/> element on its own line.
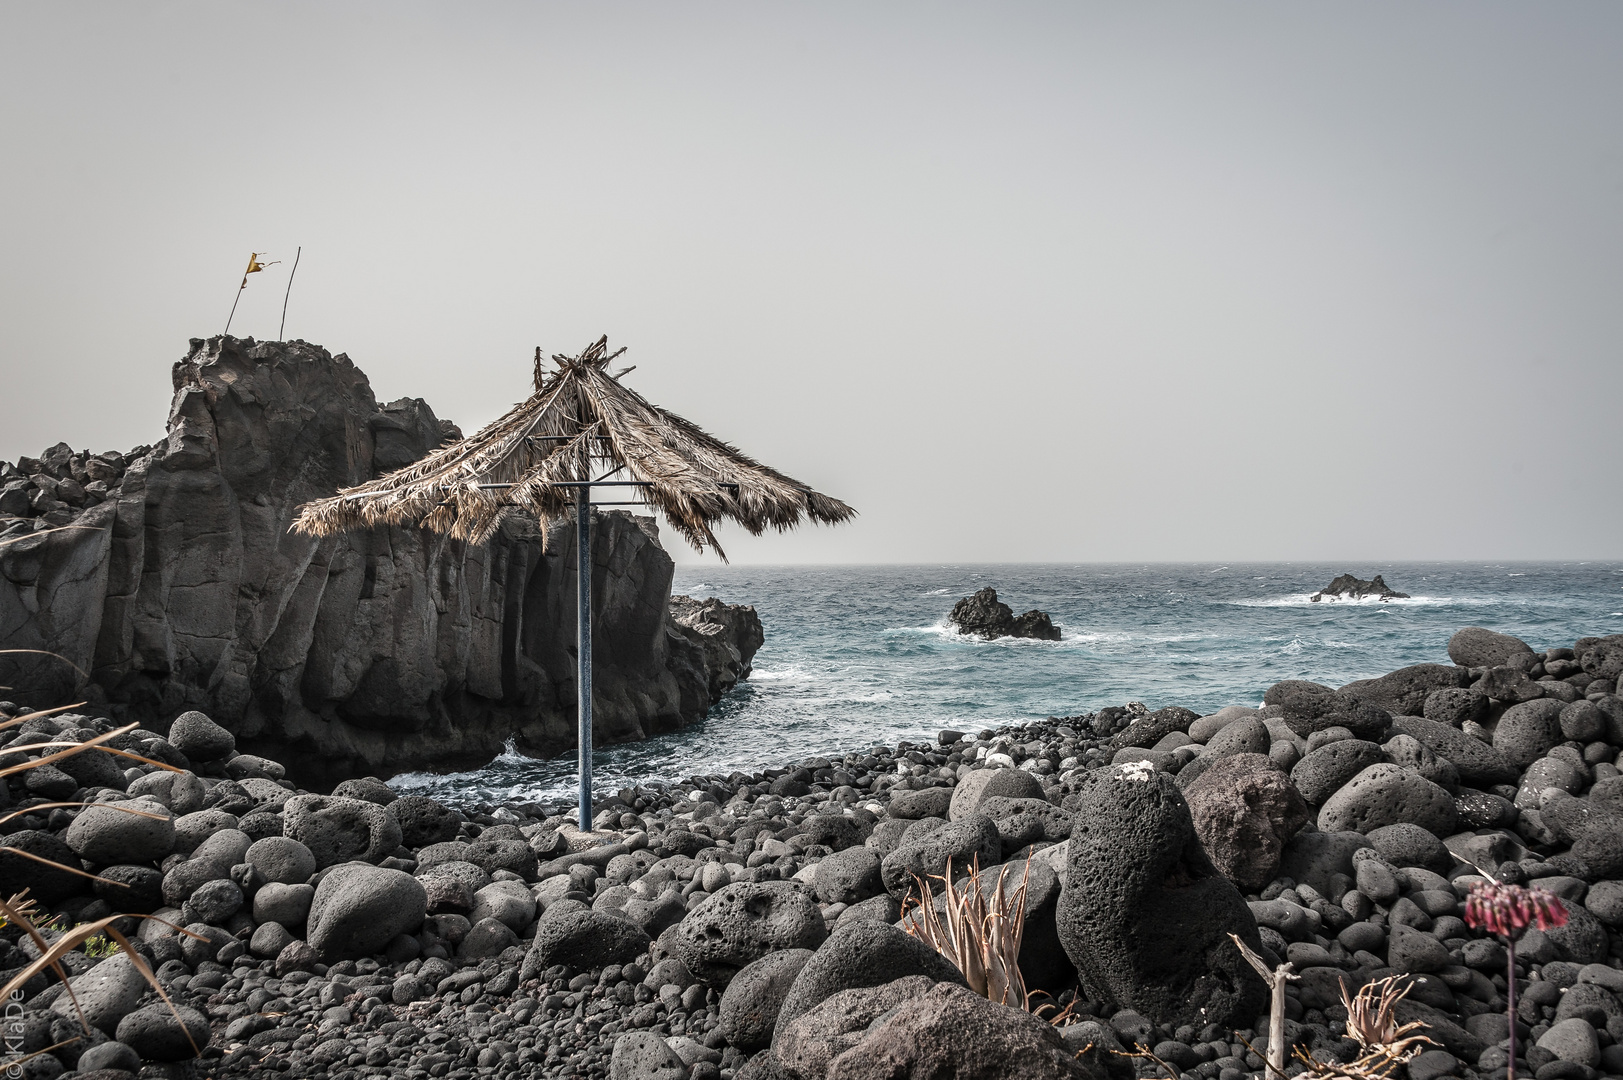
<point x="178" y="586"/>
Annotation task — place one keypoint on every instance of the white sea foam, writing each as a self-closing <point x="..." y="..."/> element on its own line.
<point x="1306" y="599"/>
<point x="792" y="673"/>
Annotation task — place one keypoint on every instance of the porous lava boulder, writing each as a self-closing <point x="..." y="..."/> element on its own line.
<point x="1476" y="647"/>
<point x="572" y="934"/>
<point x="857" y="955"/>
<point x="358" y="909"/>
<point x="1322" y="772"/>
<point x="1307" y="707"/>
<point x="46" y="884"/>
<point x="136" y="831"/>
<point x="1245" y="811"/>
<point x="1145" y="916"/>
<point x="340" y="830"/>
<point x="984" y="615"/>
<point x="749" y="1008"/>
<point x="983" y="784"/>
<point x="1528" y="731"/>
<point x="927" y="856"/>
<point x="1385" y="795"/>
<point x="810" y="1043"/>
<point x="1477" y="763"/>
<point x="200" y="738"/>
<point x="950" y="1031"/>
<point x="743" y="922"/>
<point x="1404" y="692"/>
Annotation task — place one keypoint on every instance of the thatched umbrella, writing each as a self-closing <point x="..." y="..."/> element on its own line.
<point x="581" y="428"/>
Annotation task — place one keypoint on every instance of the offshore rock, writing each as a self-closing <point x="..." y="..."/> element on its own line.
<point x="984" y="615"/>
<point x="1352" y="588"/>
<point x="364" y="653"/>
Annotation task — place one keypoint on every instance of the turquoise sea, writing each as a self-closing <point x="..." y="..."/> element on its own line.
<point x="858" y="655"/>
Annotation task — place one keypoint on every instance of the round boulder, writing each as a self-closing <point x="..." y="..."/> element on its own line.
<point x="281" y="859"/>
<point x="1323" y="771"/>
<point x="366" y="788"/>
<point x="1528" y="731"/>
<point x="1308" y="707"/>
<point x="153" y="1032"/>
<point x="1478" y="647"/>
<point x="1385" y="795"/>
<point x="423" y="821"/>
<point x="859" y="955"/>
<point x="926" y="855"/>
<point x="1245" y="811"/>
<point x="749" y="1007"/>
<point x="341" y="830"/>
<point x="200" y="738"/>
<point x="742" y="923"/>
<point x="45" y="883"/>
<point x="1406" y="844"/>
<point x="358" y="909"/>
<point x="847" y="877"/>
<point x="137" y="831"/>
<point x="572" y="934"/>
<point x="982" y="784"/>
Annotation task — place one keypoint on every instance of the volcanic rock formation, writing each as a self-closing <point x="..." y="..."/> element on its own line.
<point x="1352" y="588"/>
<point x="180" y="587"/>
<point x="984" y="615"/>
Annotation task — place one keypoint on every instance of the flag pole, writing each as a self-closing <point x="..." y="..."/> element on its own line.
<point x="280" y="329"/>
<point x="234" y="300"/>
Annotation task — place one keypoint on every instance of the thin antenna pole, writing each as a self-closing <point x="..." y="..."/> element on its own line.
<point x="295" y="270"/>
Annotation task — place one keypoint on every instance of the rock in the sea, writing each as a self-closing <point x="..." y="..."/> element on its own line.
<point x="1145" y="916"/>
<point x="742" y="923"/>
<point x="358" y="909"/>
<point x="1245" y="811"/>
<point x="1349" y="587"/>
<point x="984" y="615"/>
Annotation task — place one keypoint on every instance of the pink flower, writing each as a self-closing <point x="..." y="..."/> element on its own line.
<point x="1508" y="910"/>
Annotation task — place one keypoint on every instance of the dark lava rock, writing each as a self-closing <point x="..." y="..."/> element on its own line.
<point x="1385" y="795"/>
<point x="848" y="877"/>
<point x="1146" y="731"/>
<point x="1478" y="764"/>
<point x="1042" y="960"/>
<point x="1322" y="772"/>
<point x="1245" y="811"/>
<point x="1353" y="588"/>
<point x="857" y="955"/>
<point x="1476" y="647"/>
<point x="1455" y="707"/>
<point x="1404" y="692"/>
<point x="1405" y="845"/>
<point x="951" y="1031"/>
<point x="153" y="1032"/>
<point x="341" y="830"/>
<point x="134" y="832"/>
<point x="961" y="845"/>
<point x="45" y="884"/>
<point x="1020" y="822"/>
<point x="643" y="1055"/>
<point x="809" y="1045"/>
<point x="983" y="784"/>
<point x="1528" y="731"/>
<point x="749" y="1008"/>
<point x="743" y="922"/>
<point x="200" y="738"/>
<point x="572" y="934"/>
<point x="1307" y="707"/>
<point x="1145" y="916"/>
<point x="926" y="802"/>
<point x="985" y="616"/>
<point x="136" y="890"/>
<point x="358" y="909"/>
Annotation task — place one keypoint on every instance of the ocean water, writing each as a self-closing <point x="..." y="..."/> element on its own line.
<point x="859" y="655"/>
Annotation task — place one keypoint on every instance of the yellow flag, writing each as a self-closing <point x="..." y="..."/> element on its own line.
<point x="255" y="266"/>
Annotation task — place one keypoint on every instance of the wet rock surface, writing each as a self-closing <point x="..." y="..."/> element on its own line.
<point x="701" y="922"/>
<point x="984" y="615"/>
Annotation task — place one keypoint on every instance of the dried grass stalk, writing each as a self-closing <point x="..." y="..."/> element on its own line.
<point x="979" y="933"/>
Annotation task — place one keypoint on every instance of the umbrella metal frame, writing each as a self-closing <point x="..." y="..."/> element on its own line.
<point x="583" y="621"/>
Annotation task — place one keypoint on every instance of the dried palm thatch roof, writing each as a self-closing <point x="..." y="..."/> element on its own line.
<point x="581" y="423"/>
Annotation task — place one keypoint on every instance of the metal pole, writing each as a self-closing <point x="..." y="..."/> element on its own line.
<point x="583" y="648"/>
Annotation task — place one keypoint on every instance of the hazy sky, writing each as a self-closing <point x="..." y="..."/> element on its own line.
<point x="1019" y="281"/>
